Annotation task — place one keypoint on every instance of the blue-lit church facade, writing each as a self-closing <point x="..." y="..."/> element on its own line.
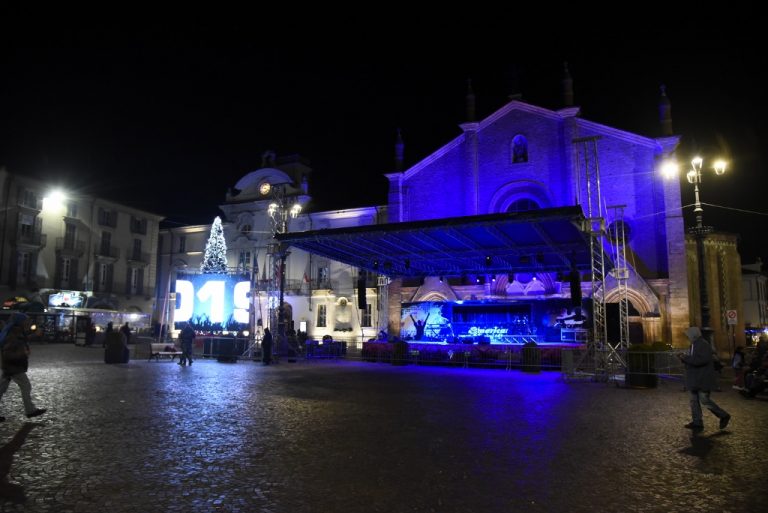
<point x="523" y="157"/>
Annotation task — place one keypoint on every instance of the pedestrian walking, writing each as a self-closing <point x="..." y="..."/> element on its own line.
<point x="187" y="337"/>
<point x="14" y="351"/>
<point x="700" y="380"/>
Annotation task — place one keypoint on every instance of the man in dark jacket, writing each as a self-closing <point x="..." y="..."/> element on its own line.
<point x="15" y="355"/>
<point x="701" y="379"/>
<point x="187" y="337"/>
<point x="266" y="347"/>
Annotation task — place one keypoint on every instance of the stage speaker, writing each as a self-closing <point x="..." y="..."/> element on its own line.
<point x="361" y="304"/>
<point x="575" y="279"/>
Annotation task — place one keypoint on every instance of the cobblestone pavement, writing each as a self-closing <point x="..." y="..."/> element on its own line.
<point x="365" y="437"/>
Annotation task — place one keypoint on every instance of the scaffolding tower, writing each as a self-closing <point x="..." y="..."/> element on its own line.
<point x="587" y="162"/>
<point x="620" y="272"/>
<point x="601" y="361"/>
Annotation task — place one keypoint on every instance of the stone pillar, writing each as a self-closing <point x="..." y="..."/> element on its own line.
<point x="394" y="306"/>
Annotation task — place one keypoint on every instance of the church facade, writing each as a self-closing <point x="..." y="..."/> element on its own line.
<point x="525" y="157"/>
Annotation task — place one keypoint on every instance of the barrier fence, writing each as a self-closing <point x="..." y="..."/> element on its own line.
<point x="573" y="362"/>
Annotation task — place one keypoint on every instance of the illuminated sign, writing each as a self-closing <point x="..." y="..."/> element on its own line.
<point x="218" y="298"/>
<point x="67" y="299"/>
<point x="488" y="332"/>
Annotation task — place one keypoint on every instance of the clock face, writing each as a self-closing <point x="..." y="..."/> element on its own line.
<point x="265" y="188"/>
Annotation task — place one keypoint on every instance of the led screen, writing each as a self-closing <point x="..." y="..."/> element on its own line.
<point x="219" y="298"/>
<point x="67" y="299"/>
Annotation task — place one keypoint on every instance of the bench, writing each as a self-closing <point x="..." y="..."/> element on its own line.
<point x="156" y="350"/>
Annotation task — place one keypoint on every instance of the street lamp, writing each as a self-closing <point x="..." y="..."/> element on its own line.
<point x="281" y="210"/>
<point x="700" y="232"/>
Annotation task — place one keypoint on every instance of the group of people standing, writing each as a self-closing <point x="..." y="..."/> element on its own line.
<point x="750" y="375"/>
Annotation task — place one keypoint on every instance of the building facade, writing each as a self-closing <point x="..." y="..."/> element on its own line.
<point x="53" y="241"/>
<point x="754" y="285"/>
<point x="320" y="296"/>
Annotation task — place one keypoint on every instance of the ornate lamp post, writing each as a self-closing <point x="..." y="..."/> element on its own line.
<point x="700" y="232"/>
<point x="280" y="211"/>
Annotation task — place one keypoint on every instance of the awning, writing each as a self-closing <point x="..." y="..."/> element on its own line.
<point x="546" y="240"/>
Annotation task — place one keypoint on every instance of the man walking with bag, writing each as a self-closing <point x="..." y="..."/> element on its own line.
<point x="701" y="379"/>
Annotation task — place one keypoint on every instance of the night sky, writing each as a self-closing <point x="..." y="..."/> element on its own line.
<point x="166" y="117"/>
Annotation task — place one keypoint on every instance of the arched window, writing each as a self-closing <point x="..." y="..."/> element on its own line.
<point x="519" y="149"/>
<point x="245" y="229"/>
<point x="523" y="205"/>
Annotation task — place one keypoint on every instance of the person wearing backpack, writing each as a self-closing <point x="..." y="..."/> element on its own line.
<point x="14" y="352"/>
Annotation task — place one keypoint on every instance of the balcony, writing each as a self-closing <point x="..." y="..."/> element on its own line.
<point x="138" y="258"/>
<point x="34" y="204"/>
<point x="106" y="253"/>
<point x="32" y="240"/>
<point x="70" y="247"/>
<point x="296" y="287"/>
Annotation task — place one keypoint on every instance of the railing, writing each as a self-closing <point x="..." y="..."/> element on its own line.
<point x="102" y="250"/>
<point x="138" y="256"/>
<point x="640" y="367"/>
<point x="574" y="363"/>
<point x="33" y="238"/>
<point x="70" y="246"/>
<point x="35" y="204"/>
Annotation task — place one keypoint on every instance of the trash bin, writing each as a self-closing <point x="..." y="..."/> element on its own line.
<point x="531" y="357"/>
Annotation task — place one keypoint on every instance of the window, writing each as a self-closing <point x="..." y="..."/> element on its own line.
<point x="71" y="209"/>
<point x="323" y="277"/>
<point x="137" y="249"/>
<point x="522" y="205"/>
<point x="29" y="199"/>
<point x="519" y="149"/>
<point x="321" y="316"/>
<point x="70" y="233"/>
<point x="134" y="280"/>
<point x="246" y="229"/>
<point x="245" y="260"/>
<point x="107" y="218"/>
<point x="106" y="243"/>
<point x="23" y="268"/>
<point x="182" y="244"/>
<point x="27" y="225"/>
<point x="103" y="273"/>
<point x="66" y="265"/>
<point x="138" y="225"/>
<point x="366" y="320"/>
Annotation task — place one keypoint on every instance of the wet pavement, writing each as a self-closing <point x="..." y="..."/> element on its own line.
<point x="324" y="436"/>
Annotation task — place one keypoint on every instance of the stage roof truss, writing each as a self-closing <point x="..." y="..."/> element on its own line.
<point x="546" y="240"/>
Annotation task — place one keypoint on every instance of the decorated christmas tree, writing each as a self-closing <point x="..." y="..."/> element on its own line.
<point x="215" y="258"/>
